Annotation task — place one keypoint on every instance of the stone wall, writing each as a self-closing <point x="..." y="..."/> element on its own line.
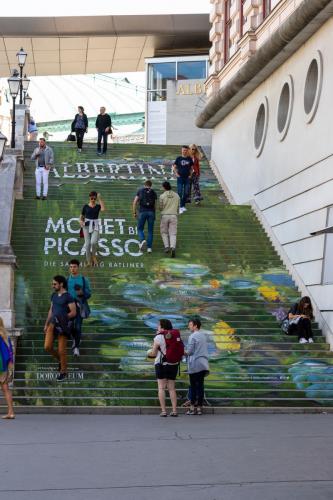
<point x="283" y="159"/>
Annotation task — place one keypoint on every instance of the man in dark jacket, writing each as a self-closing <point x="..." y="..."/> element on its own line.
<point x="103" y="125"/>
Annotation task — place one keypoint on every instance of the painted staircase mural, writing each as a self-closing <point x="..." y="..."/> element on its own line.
<point x="226" y="271"/>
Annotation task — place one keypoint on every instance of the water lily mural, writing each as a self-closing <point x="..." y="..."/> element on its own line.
<point x="226" y="272"/>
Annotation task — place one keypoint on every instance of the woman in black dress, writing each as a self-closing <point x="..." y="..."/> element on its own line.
<point x="89" y="221"/>
<point x="300" y="316"/>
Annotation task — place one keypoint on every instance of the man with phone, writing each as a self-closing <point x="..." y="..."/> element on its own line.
<point x="44" y="158"/>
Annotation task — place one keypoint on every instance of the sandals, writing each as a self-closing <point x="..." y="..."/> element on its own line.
<point x="173" y="414"/>
<point x="8" y="417"/>
<point x="163" y="414"/>
<point x="199" y="411"/>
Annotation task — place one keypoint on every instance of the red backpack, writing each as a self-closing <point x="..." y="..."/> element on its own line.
<point x="174" y="346"/>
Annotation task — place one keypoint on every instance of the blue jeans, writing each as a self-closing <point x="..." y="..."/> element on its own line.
<point x="146" y="215"/>
<point x="102" y="135"/>
<point x="183" y="185"/>
<point x="77" y="332"/>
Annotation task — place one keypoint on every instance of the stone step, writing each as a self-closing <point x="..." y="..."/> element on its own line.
<point x="239" y="285"/>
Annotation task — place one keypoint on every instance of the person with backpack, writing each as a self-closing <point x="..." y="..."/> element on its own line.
<point x="146" y="198"/>
<point x="168" y="350"/>
<point x="80" y="127"/>
<point x="6" y="369"/>
<point x="79" y="289"/>
<point x="197" y="364"/>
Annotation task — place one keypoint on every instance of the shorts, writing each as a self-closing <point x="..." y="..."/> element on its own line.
<point x="168" y="372"/>
<point x="62" y="326"/>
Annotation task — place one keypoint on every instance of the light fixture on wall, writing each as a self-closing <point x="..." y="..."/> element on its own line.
<point x="3" y="140"/>
<point x="14" y="83"/>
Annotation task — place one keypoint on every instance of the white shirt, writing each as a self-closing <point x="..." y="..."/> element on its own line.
<point x="159" y="339"/>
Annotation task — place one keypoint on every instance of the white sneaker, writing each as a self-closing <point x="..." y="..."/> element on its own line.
<point x="76" y="352"/>
<point x="181" y="210"/>
<point x="303" y="341"/>
<point x="310" y="341"/>
<point x="184" y="209"/>
<point x="142" y="245"/>
<point x="149" y="250"/>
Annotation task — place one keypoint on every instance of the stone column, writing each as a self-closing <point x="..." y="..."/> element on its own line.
<point x="7" y="258"/>
<point x="22" y="115"/>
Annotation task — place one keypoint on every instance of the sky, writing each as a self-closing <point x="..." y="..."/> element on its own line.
<point x="23" y="8"/>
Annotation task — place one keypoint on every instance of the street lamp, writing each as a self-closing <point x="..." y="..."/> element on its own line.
<point x="25" y="86"/>
<point x="3" y="140"/>
<point x="14" y="83"/>
<point x="27" y="100"/>
<point x="21" y="57"/>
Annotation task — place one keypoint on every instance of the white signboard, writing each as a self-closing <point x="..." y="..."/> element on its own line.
<point x="156" y="122"/>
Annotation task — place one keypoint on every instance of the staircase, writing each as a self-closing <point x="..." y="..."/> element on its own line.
<point x="226" y="271"/>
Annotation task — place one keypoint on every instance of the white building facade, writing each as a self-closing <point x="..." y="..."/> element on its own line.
<point x="270" y="101"/>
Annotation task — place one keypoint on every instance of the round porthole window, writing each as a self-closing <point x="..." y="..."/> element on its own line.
<point x="261" y="125"/>
<point x="285" y="107"/>
<point x="313" y="85"/>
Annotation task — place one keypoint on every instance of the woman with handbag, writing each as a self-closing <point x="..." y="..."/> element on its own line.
<point x="80" y="127"/>
<point x="6" y="369"/>
<point x="89" y="222"/>
<point x="198" y="366"/>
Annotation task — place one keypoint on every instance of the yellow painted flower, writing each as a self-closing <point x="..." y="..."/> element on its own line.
<point x="224" y="337"/>
<point x="269" y="293"/>
<point x="214" y="283"/>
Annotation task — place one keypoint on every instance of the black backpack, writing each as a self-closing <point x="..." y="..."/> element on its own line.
<point x="147" y="199"/>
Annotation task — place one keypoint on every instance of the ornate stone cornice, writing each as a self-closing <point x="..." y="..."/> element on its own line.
<point x="309" y="16"/>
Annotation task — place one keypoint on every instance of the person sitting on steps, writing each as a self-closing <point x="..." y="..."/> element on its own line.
<point x="89" y="221"/>
<point x="300" y="316"/>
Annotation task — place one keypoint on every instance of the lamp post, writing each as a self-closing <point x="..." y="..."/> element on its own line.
<point x="21" y="57"/>
<point x="25" y="86"/>
<point x="27" y="100"/>
<point x="3" y="140"/>
<point x="14" y="88"/>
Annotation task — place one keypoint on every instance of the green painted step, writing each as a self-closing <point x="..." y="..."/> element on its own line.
<point x="226" y="271"/>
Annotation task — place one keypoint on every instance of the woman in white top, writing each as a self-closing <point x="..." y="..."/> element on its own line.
<point x="198" y="366"/>
<point x="166" y="373"/>
<point x="89" y="221"/>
